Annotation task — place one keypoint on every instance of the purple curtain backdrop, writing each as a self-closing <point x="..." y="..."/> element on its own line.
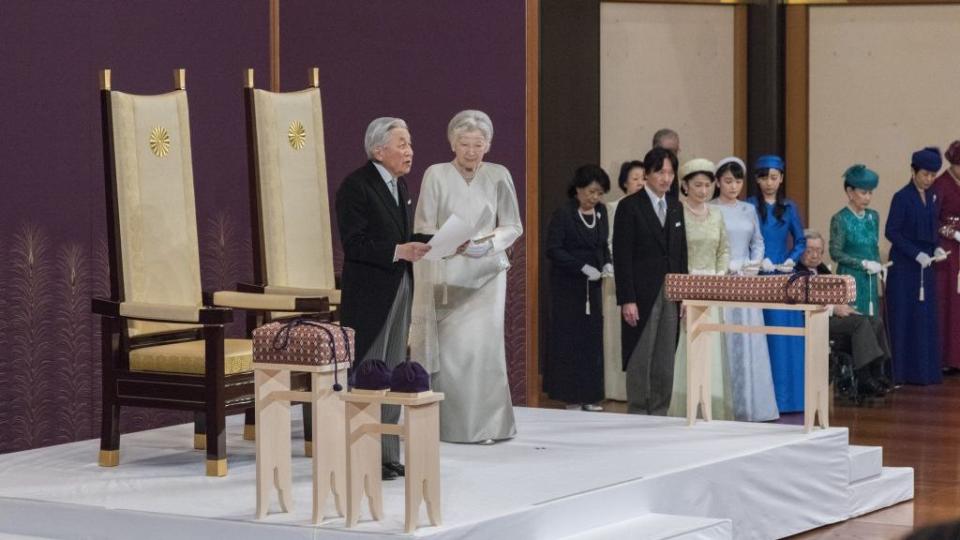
<point x="52" y="222"/>
<point x="421" y="61"/>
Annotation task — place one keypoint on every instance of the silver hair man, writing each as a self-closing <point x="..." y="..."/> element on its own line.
<point x="662" y="135"/>
<point x="378" y="133"/>
<point x="470" y="120"/>
<point x="811" y="234"/>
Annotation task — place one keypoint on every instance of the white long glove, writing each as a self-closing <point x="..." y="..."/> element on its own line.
<point x="956" y="236"/>
<point x="766" y="265"/>
<point x="789" y="263"/>
<point x="735" y="266"/>
<point x="477" y="250"/>
<point x="592" y="273"/>
<point x="872" y="267"/>
<point x="607" y="270"/>
<point x="924" y="260"/>
<point x="939" y="254"/>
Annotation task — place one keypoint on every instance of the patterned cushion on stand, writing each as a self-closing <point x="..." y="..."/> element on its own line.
<point x="302" y="342"/>
<point x="780" y="289"/>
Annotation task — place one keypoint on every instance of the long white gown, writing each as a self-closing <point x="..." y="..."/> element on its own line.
<point x="457" y="329"/>
<point x="614" y="378"/>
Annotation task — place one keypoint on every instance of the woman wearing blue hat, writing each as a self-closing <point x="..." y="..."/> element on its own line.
<point x="911" y="299"/>
<point x="855" y="237"/>
<point x="783" y="242"/>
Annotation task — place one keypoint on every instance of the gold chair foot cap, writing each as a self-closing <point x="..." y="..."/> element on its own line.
<point x="199" y="441"/>
<point x="217" y="467"/>
<point x="308" y="448"/>
<point x="249" y="432"/>
<point x="109" y="458"/>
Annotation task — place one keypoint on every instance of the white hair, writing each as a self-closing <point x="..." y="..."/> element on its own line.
<point x="811" y="234"/>
<point x="378" y="133"/>
<point x="470" y="120"/>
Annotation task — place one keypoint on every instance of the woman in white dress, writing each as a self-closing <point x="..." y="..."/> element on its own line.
<point x="614" y="378"/>
<point x="750" y="378"/>
<point x="708" y="253"/>
<point x="457" y="328"/>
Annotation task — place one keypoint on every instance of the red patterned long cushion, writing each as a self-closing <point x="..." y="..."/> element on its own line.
<point x="819" y="289"/>
<point x="302" y="342"/>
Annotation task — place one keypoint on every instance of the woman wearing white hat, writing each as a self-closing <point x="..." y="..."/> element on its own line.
<point x="708" y="253"/>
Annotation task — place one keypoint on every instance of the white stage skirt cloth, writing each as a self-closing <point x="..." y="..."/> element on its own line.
<point x="568" y="474"/>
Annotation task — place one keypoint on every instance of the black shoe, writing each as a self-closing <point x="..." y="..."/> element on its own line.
<point x="387" y="473"/>
<point x="396" y="468"/>
<point x="950" y="370"/>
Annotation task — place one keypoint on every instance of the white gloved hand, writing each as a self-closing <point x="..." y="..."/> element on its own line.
<point x="477" y="250"/>
<point x="956" y="236"/>
<point x="939" y="254"/>
<point x="592" y="273"/>
<point x="924" y="260"/>
<point x="735" y="266"/>
<point x="766" y="265"/>
<point x="872" y="267"/>
<point x="607" y="270"/>
<point x="789" y="263"/>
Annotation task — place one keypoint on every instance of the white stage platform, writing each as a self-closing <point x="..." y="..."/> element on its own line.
<point x="569" y="474"/>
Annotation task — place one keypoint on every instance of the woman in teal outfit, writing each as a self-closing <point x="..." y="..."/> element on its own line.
<point x="855" y="237"/>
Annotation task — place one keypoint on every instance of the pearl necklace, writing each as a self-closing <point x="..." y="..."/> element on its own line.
<point x="596" y="216"/>
<point x="705" y="211"/>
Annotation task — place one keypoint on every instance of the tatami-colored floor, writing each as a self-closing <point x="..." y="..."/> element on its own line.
<point x="917" y="426"/>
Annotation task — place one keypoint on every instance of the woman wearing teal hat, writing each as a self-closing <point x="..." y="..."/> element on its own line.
<point x="855" y="237"/>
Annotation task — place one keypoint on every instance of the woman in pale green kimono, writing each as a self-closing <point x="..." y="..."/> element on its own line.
<point x="708" y="253"/>
<point x="614" y="378"/>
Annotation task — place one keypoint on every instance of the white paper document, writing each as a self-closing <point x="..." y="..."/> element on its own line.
<point x="451" y="235"/>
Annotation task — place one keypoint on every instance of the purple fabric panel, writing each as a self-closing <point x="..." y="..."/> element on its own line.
<point x="52" y="221"/>
<point x="421" y="61"/>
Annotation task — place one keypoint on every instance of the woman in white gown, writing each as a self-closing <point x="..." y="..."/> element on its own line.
<point x="457" y="328"/>
<point x="614" y="378"/>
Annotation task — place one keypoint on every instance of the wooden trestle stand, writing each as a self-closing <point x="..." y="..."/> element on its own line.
<point x="420" y="432"/>
<point x="815" y="333"/>
<point x="273" y="397"/>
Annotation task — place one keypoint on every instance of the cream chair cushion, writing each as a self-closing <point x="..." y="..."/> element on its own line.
<point x="157" y="214"/>
<point x="188" y="357"/>
<point x="295" y="206"/>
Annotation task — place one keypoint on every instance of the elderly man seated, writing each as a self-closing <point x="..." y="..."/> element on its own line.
<point x="868" y="339"/>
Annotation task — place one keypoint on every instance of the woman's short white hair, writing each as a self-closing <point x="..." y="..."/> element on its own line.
<point x="378" y="133"/>
<point x="470" y="120"/>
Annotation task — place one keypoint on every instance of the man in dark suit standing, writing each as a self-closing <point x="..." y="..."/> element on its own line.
<point x="649" y="241"/>
<point x="373" y="216"/>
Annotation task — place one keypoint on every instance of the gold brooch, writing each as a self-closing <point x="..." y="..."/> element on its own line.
<point x="297" y="135"/>
<point x="159" y="141"/>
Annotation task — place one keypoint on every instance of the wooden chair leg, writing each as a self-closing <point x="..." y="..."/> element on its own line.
<point x="215" y="409"/>
<point x="109" y="434"/>
<point x="274" y="469"/>
<point x="199" y="430"/>
<point x="110" y="412"/>
<point x="329" y="464"/>
<point x="363" y="461"/>
<point x="249" y="424"/>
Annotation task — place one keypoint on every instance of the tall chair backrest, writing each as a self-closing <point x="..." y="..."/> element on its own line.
<point x="292" y="231"/>
<point x="153" y="226"/>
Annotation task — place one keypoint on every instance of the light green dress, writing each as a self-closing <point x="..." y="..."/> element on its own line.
<point x="708" y="252"/>
<point x="854" y="239"/>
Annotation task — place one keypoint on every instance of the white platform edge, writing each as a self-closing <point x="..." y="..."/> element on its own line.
<point x="662" y="527"/>
<point x="893" y="486"/>
<point x="865" y="462"/>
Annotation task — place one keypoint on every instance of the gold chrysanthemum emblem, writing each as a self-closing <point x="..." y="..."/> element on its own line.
<point x="297" y="135"/>
<point x="159" y="141"/>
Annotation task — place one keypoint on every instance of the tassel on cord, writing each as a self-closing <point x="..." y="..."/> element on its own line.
<point x="587" y="311"/>
<point x="443" y="269"/>
<point x="958" y="273"/>
<point x="922" y="297"/>
<point x="870" y="281"/>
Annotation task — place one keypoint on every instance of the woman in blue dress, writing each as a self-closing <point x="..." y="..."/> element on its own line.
<point x="783" y="242"/>
<point x="749" y="362"/>
<point x="911" y="288"/>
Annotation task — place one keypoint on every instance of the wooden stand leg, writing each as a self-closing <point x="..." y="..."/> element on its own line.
<point x="363" y="460"/>
<point x="422" y="463"/>
<point x="699" y="361"/>
<point x="816" y="371"/>
<point x="329" y="463"/>
<point x="272" y="440"/>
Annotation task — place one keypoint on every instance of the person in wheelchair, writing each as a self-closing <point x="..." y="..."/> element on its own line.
<point x="866" y="335"/>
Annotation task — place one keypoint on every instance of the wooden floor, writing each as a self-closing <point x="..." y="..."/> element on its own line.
<point x="917" y="426"/>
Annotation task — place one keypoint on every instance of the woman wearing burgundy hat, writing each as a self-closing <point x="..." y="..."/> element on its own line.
<point x="947" y="188"/>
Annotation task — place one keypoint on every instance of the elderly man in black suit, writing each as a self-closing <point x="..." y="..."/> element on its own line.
<point x="649" y="241"/>
<point x="373" y="216"/>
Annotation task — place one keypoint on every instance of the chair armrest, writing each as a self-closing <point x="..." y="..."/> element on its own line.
<point x="170" y="313"/>
<point x="270" y="302"/>
<point x="333" y="295"/>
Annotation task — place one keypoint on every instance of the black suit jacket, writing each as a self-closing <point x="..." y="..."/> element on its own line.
<point x="643" y="254"/>
<point x="371" y="225"/>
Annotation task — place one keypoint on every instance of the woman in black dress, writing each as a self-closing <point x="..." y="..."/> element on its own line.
<point x="579" y="257"/>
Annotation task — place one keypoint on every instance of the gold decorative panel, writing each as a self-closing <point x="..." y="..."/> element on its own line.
<point x="159" y="141"/>
<point x="297" y="135"/>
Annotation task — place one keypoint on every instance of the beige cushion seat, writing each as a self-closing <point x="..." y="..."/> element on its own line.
<point x="187" y="357"/>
